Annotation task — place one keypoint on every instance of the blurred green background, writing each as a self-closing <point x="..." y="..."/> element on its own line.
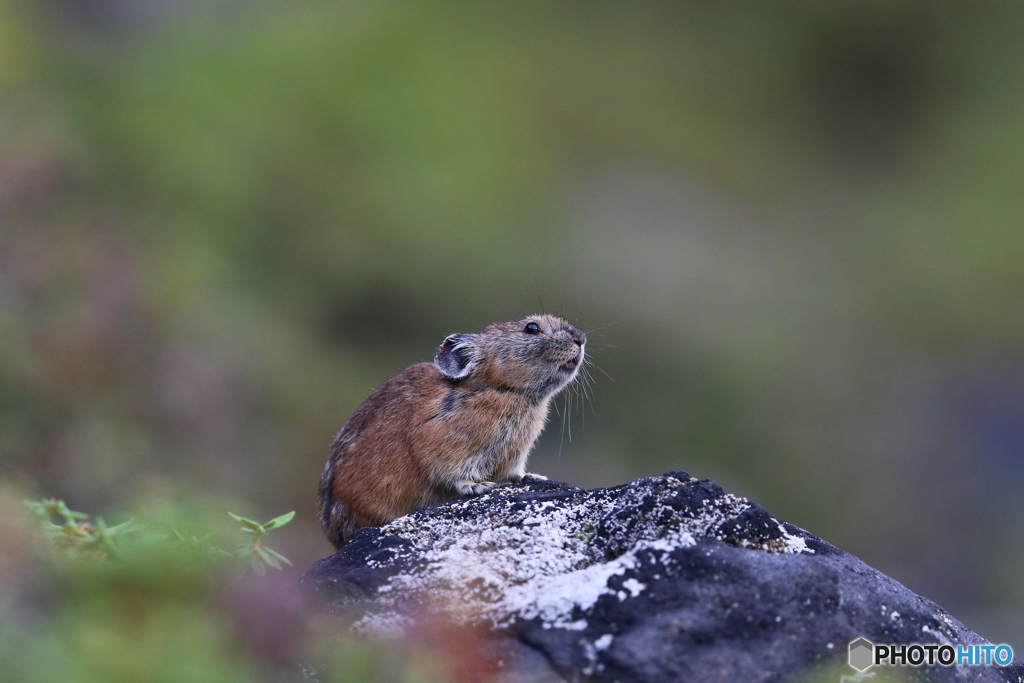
<point x="794" y="230"/>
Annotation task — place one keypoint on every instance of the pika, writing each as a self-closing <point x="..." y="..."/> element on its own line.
<point x="458" y="426"/>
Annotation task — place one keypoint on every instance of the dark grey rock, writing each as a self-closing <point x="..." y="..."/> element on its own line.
<point x="662" y="579"/>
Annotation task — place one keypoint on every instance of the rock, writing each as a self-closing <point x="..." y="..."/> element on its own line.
<point x="662" y="579"/>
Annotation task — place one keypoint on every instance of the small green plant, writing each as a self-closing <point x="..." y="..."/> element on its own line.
<point x="257" y="555"/>
<point x="586" y="531"/>
<point x="75" y="535"/>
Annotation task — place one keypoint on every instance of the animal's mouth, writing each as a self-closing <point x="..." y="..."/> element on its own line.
<point x="571" y="364"/>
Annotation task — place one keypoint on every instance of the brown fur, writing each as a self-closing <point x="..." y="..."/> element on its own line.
<point x="458" y="426"/>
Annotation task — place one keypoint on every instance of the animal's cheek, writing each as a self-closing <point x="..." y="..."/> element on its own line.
<point x="560" y="353"/>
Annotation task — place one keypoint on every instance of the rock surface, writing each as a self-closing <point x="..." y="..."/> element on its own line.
<point x="662" y="579"/>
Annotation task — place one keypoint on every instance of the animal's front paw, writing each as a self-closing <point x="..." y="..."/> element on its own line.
<point x="473" y="488"/>
<point x="530" y="476"/>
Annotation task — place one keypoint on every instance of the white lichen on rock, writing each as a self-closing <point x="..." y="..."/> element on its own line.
<point x="529" y="559"/>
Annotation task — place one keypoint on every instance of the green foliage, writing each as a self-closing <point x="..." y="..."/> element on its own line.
<point x="586" y="531"/>
<point x="75" y="536"/>
<point x="254" y="553"/>
<point x="160" y="601"/>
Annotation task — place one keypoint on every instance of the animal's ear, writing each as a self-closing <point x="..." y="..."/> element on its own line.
<point x="456" y="356"/>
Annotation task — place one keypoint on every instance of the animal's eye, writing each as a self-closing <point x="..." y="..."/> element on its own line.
<point x="532" y="328"/>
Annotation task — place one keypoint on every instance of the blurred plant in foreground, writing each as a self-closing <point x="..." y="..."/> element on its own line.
<point x="254" y="552"/>
<point x="76" y="536"/>
<point x="161" y="599"/>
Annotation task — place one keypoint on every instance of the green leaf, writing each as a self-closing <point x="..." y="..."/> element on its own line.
<point x="39" y="509"/>
<point x="64" y="512"/>
<point x="279" y="521"/>
<point x="247" y="523"/>
<point x="104" y="537"/>
<point x="278" y="556"/>
<point x="267" y="557"/>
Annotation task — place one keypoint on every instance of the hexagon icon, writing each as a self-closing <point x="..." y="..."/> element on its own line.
<point x="862" y="653"/>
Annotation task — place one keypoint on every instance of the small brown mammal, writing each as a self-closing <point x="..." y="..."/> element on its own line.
<point x="458" y="426"/>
